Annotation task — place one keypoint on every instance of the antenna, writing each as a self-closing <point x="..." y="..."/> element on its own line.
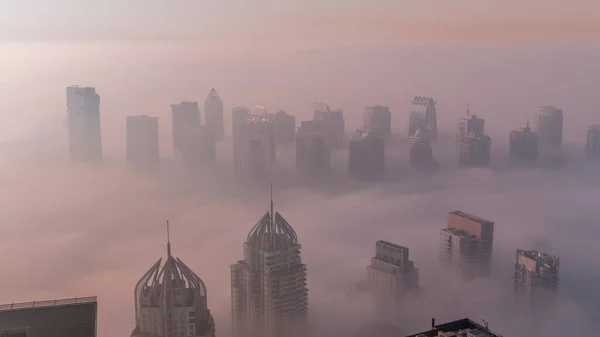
<point x="168" y="240"/>
<point x="468" y="112"/>
<point x="272" y="215"/>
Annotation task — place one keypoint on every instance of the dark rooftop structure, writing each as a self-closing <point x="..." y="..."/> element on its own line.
<point x="472" y="217"/>
<point x="76" y="317"/>
<point x="462" y="327"/>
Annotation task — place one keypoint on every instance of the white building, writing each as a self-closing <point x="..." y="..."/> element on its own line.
<point x="268" y="288"/>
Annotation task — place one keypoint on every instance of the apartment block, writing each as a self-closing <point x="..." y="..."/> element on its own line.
<point x="536" y="274"/>
<point x="391" y="272"/>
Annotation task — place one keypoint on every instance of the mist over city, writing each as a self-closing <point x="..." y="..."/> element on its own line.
<point x="73" y="226"/>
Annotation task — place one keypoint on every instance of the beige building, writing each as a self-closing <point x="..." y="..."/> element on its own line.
<point x="466" y="244"/>
<point x="391" y="272"/>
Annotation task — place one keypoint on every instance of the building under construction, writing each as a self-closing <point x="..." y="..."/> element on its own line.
<point x="536" y="274"/>
<point x="312" y="148"/>
<point x="466" y="244"/>
<point x="254" y="146"/>
<point x="423" y="115"/>
<point x="334" y="120"/>
<point x="269" y="295"/>
<point x="284" y="127"/>
<point x="592" y="144"/>
<point x="366" y="157"/>
<point x="523" y="146"/>
<point x="378" y="119"/>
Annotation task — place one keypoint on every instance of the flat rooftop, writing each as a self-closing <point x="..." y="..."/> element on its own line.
<point x="458" y="232"/>
<point x="387" y="243"/>
<point x="49" y="303"/>
<point x="472" y="217"/>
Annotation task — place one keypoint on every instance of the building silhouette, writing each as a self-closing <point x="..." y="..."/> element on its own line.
<point x="83" y="118"/>
<point x="523" y="146"/>
<point x="74" y="317"/>
<point x="366" y="157"/>
<point x="313" y="154"/>
<point x="536" y="276"/>
<point x="171" y="300"/>
<point x="269" y="294"/>
<point x="461" y="328"/>
<point x="472" y="144"/>
<point x="424" y="114"/>
<point x="142" y="147"/>
<point x="284" y="127"/>
<point x="419" y="148"/>
<point x="378" y="119"/>
<point x="469" y="126"/>
<point x="549" y="129"/>
<point x="592" y="144"/>
<point x="334" y="119"/>
<point x="186" y="120"/>
<point x="254" y="148"/>
<point x="466" y="244"/>
<point x="213" y="114"/>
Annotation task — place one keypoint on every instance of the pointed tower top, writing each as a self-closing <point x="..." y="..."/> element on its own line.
<point x="168" y="240"/>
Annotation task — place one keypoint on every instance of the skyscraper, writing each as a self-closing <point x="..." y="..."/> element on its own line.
<point x="238" y="117"/>
<point x="269" y="294"/>
<point x="284" y="126"/>
<point x="334" y="119"/>
<point x="523" y="145"/>
<point x="549" y="129"/>
<point x="416" y="121"/>
<point x="83" y="116"/>
<point x="74" y="317"/>
<point x="469" y="126"/>
<point x="378" y="119"/>
<point x="213" y="114"/>
<point x="536" y="274"/>
<point x="419" y="148"/>
<point x="142" y="146"/>
<point x="366" y="157"/>
<point x="170" y="300"/>
<point x="592" y="144"/>
<point x="254" y="148"/>
<point x="472" y="144"/>
<point x="312" y="148"/>
<point x="186" y="120"/>
<point x="391" y="273"/>
<point x="425" y="106"/>
<point x="466" y="244"/>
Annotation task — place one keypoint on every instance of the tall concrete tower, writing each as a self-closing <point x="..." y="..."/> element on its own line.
<point x="170" y="300"/>
<point x="213" y="114"/>
<point x="523" y="145"/>
<point x="83" y="117"/>
<point x="269" y="294"/>
<point x="186" y="120"/>
<point x="549" y="129"/>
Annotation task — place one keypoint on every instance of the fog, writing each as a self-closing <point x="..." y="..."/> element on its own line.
<point x="78" y="230"/>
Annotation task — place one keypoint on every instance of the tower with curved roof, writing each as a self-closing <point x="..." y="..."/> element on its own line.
<point x="268" y="288"/>
<point x="171" y="301"/>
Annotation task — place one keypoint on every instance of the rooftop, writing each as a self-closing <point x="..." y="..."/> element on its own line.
<point x="466" y="326"/>
<point x="457" y="232"/>
<point x="546" y="259"/>
<point x="472" y="217"/>
<point x="49" y="303"/>
<point x="387" y="243"/>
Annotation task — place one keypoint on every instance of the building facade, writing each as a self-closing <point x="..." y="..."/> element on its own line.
<point x="83" y="117"/>
<point x="268" y="287"/>
<point x="391" y="272"/>
<point x="466" y="244"/>
<point x="469" y="126"/>
<point x="334" y="119"/>
<point x="313" y="154"/>
<point x="366" y="157"/>
<point x="254" y="148"/>
<point x="549" y="129"/>
<point x="142" y="147"/>
<point x="186" y="120"/>
<point x="378" y="119"/>
<point x="213" y="114"/>
<point x="171" y="301"/>
<point x="419" y="148"/>
<point x="474" y="151"/>
<point x="423" y="110"/>
<point x="284" y="127"/>
<point x="592" y="144"/>
<point x="74" y="317"/>
<point x="523" y="146"/>
<point x="536" y="275"/>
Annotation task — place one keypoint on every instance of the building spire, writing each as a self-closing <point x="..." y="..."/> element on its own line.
<point x="168" y="240"/>
<point x="272" y="214"/>
<point x="468" y="112"/>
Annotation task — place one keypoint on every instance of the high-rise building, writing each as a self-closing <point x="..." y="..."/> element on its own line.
<point x="391" y="273"/>
<point x="419" y="148"/>
<point x="466" y="244"/>
<point x="461" y="328"/>
<point x="592" y="144"/>
<point x="536" y="274"/>
<point x="186" y="120"/>
<point x="523" y="145"/>
<point x="469" y="126"/>
<point x="312" y="148"/>
<point x="425" y="107"/>
<point x="74" y="317"/>
<point x="269" y="294"/>
<point x="213" y="114"/>
<point x="142" y="146"/>
<point x="83" y="117"/>
<point x="416" y="121"/>
<point x="366" y="157"/>
<point x="284" y="127"/>
<point x="198" y="148"/>
<point x="238" y="116"/>
<point x="378" y="119"/>
<point x="170" y="300"/>
<point x="254" y="148"/>
<point x="549" y="129"/>
<point x="474" y="151"/>
<point x="334" y="119"/>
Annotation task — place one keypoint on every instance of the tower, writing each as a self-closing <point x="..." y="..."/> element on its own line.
<point x="170" y="300"/>
<point x="420" y="151"/>
<point x="213" y="114"/>
<point x="425" y="107"/>
<point x="523" y="145"/>
<point x="268" y="287"/>
<point x="366" y="157"/>
<point x="334" y="119"/>
<point x="549" y="129"/>
<point x="312" y="148"/>
<point x="592" y="144"/>
<point x="378" y="119"/>
<point x="186" y="120"/>
<point x="472" y="144"/>
<point x="83" y="117"/>
<point x="284" y="126"/>
<point x="536" y="277"/>
<point x="254" y="147"/>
